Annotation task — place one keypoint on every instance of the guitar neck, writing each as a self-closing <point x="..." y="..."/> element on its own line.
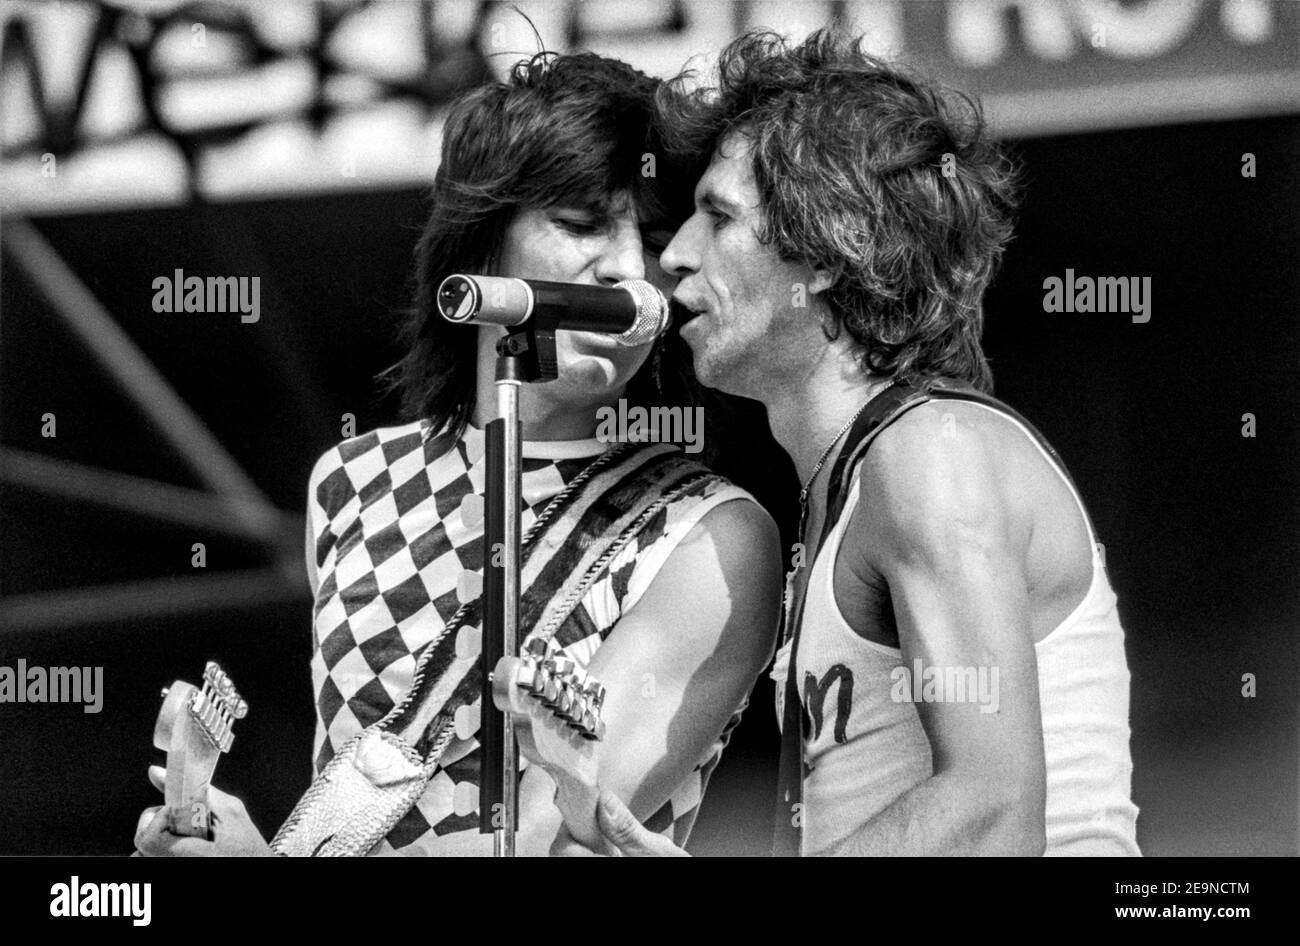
<point x="195" y="726"/>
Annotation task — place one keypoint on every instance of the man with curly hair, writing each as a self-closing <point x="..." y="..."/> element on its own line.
<point x="953" y="679"/>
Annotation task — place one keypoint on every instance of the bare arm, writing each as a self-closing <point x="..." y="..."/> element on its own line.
<point x="683" y="659"/>
<point x="680" y="662"/>
<point x="675" y="668"/>
<point x="940" y="531"/>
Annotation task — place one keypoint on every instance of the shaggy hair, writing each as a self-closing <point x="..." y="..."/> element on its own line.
<point x="876" y="174"/>
<point x="567" y="130"/>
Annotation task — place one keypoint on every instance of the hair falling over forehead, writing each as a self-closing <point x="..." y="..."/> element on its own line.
<point x="570" y="130"/>
<point x="875" y="174"/>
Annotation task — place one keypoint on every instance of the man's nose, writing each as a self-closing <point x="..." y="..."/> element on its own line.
<point x="622" y="258"/>
<point x="680" y="258"/>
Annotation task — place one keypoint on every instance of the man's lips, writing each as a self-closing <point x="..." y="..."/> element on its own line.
<point x="693" y="330"/>
<point x="681" y="314"/>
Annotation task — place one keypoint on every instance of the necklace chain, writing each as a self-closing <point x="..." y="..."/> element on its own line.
<point x="821" y="461"/>
<point x="787" y="598"/>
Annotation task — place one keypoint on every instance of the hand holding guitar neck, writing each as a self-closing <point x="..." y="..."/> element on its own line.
<point x="194" y="728"/>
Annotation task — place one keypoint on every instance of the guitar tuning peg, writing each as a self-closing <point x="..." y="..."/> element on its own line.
<point x="536" y="684"/>
<point x="585" y="713"/>
<point x="241" y="709"/>
<point x="564" y="704"/>
<point x="589" y="728"/>
<point x="577" y="704"/>
<point x="577" y="709"/>
<point x="546" y="685"/>
<point x="557" y="667"/>
<point x="552" y="692"/>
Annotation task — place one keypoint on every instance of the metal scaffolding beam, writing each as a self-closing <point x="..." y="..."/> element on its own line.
<point x="134" y="494"/>
<point x="137" y="376"/>
<point x="147" y="600"/>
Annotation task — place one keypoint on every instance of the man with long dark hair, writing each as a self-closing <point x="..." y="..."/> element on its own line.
<point x="954" y="678"/>
<point x="544" y="176"/>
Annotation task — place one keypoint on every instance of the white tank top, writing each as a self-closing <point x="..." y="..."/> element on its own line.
<point x="868" y="747"/>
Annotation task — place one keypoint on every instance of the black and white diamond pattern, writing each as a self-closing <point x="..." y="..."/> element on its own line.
<point x="397" y="518"/>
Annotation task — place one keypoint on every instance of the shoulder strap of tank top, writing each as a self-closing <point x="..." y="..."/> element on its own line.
<point x="902" y="397"/>
<point x="787" y="820"/>
<point x="883" y="409"/>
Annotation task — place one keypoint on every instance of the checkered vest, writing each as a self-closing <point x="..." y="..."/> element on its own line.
<point x="397" y="521"/>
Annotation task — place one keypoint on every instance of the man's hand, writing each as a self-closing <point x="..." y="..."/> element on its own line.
<point x="234" y="832"/>
<point x="624" y="836"/>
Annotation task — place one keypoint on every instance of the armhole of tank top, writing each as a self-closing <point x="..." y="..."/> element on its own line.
<point x="1098" y="565"/>
<point x="855" y="495"/>
<point x="836" y="540"/>
<point x="663" y="546"/>
<point x="1056" y="468"/>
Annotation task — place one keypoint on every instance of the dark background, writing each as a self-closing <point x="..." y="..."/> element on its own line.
<point x="1200" y="524"/>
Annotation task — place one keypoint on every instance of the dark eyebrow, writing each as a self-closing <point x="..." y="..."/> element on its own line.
<point x="712" y="198"/>
<point x="599" y="215"/>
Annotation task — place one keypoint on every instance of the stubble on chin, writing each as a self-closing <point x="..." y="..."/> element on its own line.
<point x="721" y="374"/>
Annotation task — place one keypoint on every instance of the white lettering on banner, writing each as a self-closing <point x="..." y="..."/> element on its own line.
<point x="210" y="119"/>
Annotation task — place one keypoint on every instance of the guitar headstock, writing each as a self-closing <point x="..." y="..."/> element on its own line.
<point x="556" y="708"/>
<point x="195" y="725"/>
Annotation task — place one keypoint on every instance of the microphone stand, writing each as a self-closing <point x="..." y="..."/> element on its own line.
<point x="524" y="354"/>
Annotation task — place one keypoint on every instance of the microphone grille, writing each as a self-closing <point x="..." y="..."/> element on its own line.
<point x="651" y="312"/>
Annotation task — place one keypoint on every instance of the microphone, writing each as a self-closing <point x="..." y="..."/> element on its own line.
<point x="633" y="311"/>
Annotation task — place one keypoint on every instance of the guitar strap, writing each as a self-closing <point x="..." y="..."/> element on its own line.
<point x="377" y="776"/>
<point x="881" y="411"/>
